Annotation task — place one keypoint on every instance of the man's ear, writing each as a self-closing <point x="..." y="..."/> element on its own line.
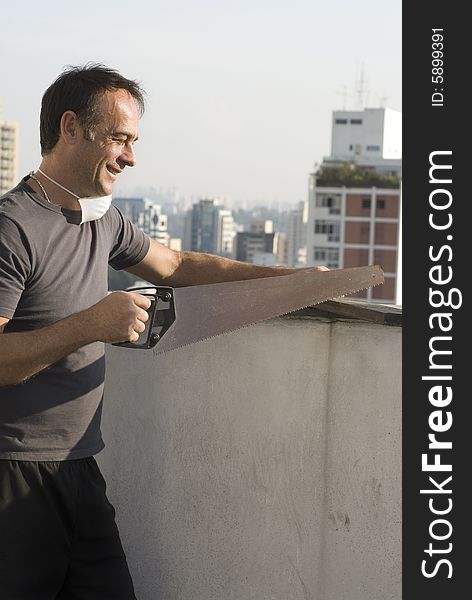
<point x="69" y="127"/>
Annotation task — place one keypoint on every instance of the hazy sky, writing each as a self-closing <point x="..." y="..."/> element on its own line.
<point x="240" y="93"/>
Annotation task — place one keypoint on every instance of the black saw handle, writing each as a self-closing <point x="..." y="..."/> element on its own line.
<point x="161" y="316"/>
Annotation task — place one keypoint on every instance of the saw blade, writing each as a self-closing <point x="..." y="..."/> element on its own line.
<point x="205" y="311"/>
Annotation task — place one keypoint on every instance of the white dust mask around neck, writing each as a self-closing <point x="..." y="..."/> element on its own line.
<point x="93" y="207"/>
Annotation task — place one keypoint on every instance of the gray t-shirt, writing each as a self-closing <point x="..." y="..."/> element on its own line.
<point x="50" y="268"/>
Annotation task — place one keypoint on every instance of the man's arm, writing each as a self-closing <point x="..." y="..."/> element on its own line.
<point x="117" y="318"/>
<point x="178" y="269"/>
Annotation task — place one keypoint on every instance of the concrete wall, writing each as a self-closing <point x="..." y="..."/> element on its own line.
<point x="264" y="464"/>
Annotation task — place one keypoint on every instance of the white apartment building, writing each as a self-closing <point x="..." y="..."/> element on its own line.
<point x="296" y="228"/>
<point x="8" y="154"/>
<point x="280" y="249"/>
<point x="147" y="215"/>
<point x="370" y="137"/>
<point x="157" y="224"/>
<point x="225" y="233"/>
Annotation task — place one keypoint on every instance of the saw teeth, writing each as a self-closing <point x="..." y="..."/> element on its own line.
<point x="211" y="337"/>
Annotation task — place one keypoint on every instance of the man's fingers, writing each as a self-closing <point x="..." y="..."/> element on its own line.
<point x="134" y="337"/>
<point x="140" y="300"/>
<point x="142" y="315"/>
<point x="139" y="327"/>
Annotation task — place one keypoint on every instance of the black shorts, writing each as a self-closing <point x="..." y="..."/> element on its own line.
<point x="58" y="537"/>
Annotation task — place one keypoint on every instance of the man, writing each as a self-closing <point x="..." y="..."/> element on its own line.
<point x="58" y="233"/>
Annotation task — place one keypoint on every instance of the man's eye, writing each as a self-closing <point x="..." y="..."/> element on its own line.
<point x="119" y="140"/>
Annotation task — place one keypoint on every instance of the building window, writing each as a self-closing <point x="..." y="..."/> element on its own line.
<point x="326" y="253"/>
<point x="330" y="201"/>
<point x="356" y="121"/>
<point x="329" y="228"/>
<point x="381" y="204"/>
<point x="373" y="148"/>
<point x="328" y="256"/>
<point x="366" y="203"/>
<point x="351" y="146"/>
<point x="341" y="121"/>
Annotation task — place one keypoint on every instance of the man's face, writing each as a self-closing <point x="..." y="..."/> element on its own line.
<point x="100" y="161"/>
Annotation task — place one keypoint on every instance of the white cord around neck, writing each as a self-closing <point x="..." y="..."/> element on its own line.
<point x="58" y="184"/>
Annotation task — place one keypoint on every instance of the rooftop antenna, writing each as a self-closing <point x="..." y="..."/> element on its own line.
<point x="343" y="93"/>
<point x="361" y="91"/>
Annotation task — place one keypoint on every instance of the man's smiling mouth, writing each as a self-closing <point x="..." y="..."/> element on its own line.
<point x="113" y="170"/>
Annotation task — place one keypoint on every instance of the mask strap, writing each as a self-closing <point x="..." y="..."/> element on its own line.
<point x="58" y="184"/>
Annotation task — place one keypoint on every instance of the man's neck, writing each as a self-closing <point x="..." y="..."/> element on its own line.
<point x="49" y="190"/>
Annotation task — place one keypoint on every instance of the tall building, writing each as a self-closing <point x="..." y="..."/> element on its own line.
<point x="131" y="207"/>
<point x="225" y="233"/>
<point x="204" y="226"/>
<point x="280" y="249"/>
<point x="256" y="246"/>
<point x="147" y="215"/>
<point x="296" y="228"/>
<point x="8" y="154"/>
<point x="261" y="226"/>
<point x="156" y="224"/>
<point x="354" y="202"/>
<point x="187" y="237"/>
<point x="209" y="228"/>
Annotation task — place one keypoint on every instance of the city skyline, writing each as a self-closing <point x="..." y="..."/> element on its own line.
<point x="240" y="98"/>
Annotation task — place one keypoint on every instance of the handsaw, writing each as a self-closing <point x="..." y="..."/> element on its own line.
<point x="186" y="315"/>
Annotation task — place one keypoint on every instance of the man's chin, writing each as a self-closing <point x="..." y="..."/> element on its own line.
<point x="106" y="183"/>
<point x="108" y="191"/>
<point x="104" y="190"/>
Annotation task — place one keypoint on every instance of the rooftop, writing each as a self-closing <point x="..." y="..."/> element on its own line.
<point x="349" y="174"/>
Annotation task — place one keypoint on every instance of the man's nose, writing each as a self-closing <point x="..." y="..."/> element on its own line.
<point x="128" y="156"/>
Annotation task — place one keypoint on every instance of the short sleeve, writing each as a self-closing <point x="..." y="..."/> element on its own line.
<point x="129" y="245"/>
<point x="15" y="266"/>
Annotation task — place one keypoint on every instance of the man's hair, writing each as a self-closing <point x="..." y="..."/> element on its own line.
<point x="80" y="89"/>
